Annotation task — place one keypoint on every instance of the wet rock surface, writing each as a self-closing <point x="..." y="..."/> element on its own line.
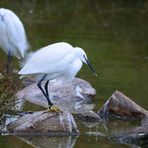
<point x="73" y="98"/>
<point x="136" y="136"/>
<point x="120" y="106"/>
<point x="118" y="111"/>
<point x="89" y="116"/>
<point x="44" y="123"/>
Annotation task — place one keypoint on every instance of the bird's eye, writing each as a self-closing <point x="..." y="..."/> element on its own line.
<point x="85" y="57"/>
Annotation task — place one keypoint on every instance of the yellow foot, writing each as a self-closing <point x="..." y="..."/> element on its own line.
<point x="54" y="108"/>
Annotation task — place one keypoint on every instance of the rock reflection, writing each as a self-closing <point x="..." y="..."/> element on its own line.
<point x="53" y="142"/>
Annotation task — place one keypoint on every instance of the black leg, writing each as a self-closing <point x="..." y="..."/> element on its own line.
<point x="8" y="61"/>
<point x="40" y="87"/>
<point x="46" y="90"/>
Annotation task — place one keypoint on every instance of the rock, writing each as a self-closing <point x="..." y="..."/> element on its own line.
<point x="89" y="116"/>
<point x="88" y="119"/>
<point x="90" y="123"/>
<point x="120" y="106"/>
<point x="137" y="136"/>
<point x="44" y="123"/>
<point x="72" y="98"/>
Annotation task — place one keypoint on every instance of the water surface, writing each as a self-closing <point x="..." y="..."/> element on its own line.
<point x="114" y="36"/>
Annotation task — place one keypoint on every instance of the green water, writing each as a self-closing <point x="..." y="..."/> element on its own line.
<point x="114" y="35"/>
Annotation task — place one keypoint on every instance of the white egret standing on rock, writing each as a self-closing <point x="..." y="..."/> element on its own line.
<point x="58" y="61"/>
<point x="12" y="35"/>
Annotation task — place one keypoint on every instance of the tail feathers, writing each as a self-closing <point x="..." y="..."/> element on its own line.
<point x="25" y="59"/>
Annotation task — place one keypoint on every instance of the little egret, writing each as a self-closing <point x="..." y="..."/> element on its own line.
<point x="58" y="61"/>
<point x="12" y="35"/>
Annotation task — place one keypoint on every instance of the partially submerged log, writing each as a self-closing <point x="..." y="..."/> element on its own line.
<point x="120" y="106"/>
<point x="44" y="123"/>
<point x="74" y="98"/>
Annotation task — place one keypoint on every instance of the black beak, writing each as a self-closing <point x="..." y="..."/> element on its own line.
<point x="90" y="66"/>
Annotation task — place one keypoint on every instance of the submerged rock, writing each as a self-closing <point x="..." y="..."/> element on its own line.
<point x="75" y="97"/>
<point x="137" y="136"/>
<point x="89" y="119"/>
<point x="44" y="123"/>
<point x="89" y="116"/>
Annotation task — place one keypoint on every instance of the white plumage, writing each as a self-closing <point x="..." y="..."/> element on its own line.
<point x="12" y="34"/>
<point x="58" y="61"/>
